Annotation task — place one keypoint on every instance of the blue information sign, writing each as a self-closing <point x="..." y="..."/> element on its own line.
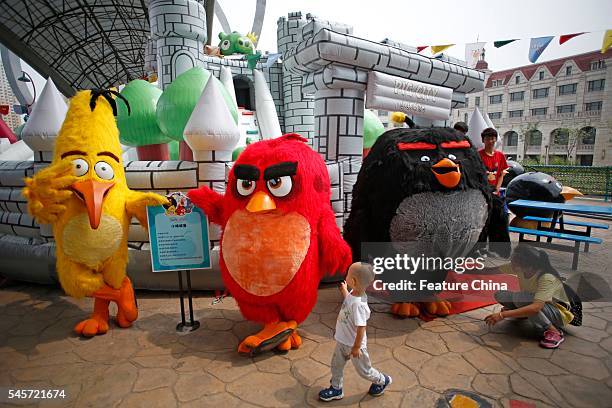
<point x="178" y="235"/>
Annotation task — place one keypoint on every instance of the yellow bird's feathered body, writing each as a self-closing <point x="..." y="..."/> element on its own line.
<point x="83" y="193"/>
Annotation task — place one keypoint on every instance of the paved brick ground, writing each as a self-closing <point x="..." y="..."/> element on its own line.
<point x="151" y="365"/>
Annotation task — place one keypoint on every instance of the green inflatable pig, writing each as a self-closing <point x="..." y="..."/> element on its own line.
<point x="235" y="43"/>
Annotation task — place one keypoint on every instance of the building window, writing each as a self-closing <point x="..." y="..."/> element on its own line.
<point x="517" y="79"/>
<point x="539" y="111"/>
<point x="596" y="85"/>
<point x="494" y="115"/>
<point x="517" y="96"/>
<point x="586" y="159"/>
<point x="465" y="117"/>
<point x="534" y="138"/>
<point x="566" y="108"/>
<point x="595" y="65"/>
<point x="540" y="93"/>
<point x="541" y="75"/>
<point x="593" y="106"/>
<point x="568" y="89"/>
<point x="587" y="135"/>
<point x="511" y="138"/>
<point x="515" y="114"/>
<point x="467" y="102"/>
<point x="477" y="100"/>
<point x="498" y="82"/>
<point x="568" y="70"/>
<point x="495" y="99"/>
<point x="560" y="137"/>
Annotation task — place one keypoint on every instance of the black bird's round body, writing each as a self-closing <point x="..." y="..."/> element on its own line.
<point x="514" y="169"/>
<point x="534" y="186"/>
<point x="425" y="190"/>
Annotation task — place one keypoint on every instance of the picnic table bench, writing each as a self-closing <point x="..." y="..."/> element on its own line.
<point x="561" y="232"/>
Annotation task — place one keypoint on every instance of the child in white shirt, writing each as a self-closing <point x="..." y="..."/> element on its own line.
<point x="351" y="339"/>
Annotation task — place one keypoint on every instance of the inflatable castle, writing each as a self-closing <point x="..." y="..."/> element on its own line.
<point x="320" y="88"/>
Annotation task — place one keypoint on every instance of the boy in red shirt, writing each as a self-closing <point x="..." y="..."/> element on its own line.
<point x="494" y="160"/>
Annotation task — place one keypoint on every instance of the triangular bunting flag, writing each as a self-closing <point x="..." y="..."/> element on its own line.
<point x="421" y="48"/>
<point x="272" y="58"/>
<point x="607" y="41"/>
<point x="567" y="37"/>
<point x="439" y="48"/>
<point x="537" y="47"/>
<point x="499" y="44"/>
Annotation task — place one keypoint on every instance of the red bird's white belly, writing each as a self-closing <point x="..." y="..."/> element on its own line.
<point x="264" y="251"/>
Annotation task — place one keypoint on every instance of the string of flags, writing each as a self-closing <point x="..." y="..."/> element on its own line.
<point x="537" y="46"/>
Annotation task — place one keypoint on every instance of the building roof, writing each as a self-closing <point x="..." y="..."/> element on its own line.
<point x="79" y="43"/>
<point x="582" y="60"/>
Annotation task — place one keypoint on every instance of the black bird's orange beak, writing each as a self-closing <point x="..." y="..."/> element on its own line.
<point x="92" y="192"/>
<point x="447" y="173"/>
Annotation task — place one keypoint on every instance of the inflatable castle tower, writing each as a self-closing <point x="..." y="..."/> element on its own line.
<point x="317" y="88"/>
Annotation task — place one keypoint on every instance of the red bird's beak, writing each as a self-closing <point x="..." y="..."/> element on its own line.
<point x="260" y="202"/>
<point x="447" y="173"/>
<point x="92" y="192"/>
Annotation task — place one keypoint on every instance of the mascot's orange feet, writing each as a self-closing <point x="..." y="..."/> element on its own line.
<point x="405" y="309"/>
<point x="97" y="323"/>
<point x="438" y="308"/>
<point x="127" y="302"/>
<point x="273" y="335"/>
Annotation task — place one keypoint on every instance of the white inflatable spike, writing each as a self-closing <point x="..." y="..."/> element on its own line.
<point x="18" y="151"/>
<point x="267" y="118"/>
<point x="211" y="125"/>
<point x="475" y="127"/>
<point x="46" y="119"/>
<point x="227" y="80"/>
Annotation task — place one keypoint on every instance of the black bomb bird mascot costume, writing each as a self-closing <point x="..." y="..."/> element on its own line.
<point x="426" y="189"/>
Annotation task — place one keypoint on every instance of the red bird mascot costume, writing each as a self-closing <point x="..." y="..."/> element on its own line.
<point x="279" y="236"/>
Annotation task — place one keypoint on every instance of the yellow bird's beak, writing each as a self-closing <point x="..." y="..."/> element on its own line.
<point x="568" y="193"/>
<point x="261" y="202"/>
<point x="92" y="192"/>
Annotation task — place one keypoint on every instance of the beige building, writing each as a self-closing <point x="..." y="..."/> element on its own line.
<point x="554" y="112"/>
<point x="8" y="98"/>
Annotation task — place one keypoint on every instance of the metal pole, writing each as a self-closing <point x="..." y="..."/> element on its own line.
<point x="179" y="327"/>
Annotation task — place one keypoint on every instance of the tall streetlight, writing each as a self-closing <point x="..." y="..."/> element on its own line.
<point x="25" y="77"/>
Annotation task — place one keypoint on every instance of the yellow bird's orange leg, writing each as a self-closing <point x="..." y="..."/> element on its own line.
<point x="125" y="299"/>
<point x="273" y="335"/>
<point x="97" y="323"/>
<point x="127" y="311"/>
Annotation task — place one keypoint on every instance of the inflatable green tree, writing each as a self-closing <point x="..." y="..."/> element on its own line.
<point x="140" y="128"/>
<point x="178" y="100"/>
<point x="372" y="128"/>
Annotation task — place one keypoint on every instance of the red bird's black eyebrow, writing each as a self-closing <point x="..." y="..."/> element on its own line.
<point x="280" y="170"/>
<point x="246" y="172"/>
<point x="73" y="153"/>
<point x="109" y="154"/>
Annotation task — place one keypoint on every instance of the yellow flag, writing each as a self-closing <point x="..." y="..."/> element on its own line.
<point x="439" y="48"/>
<point x="607" y="41"/>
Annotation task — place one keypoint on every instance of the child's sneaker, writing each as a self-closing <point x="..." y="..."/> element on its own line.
<point x="376" y="390"/>
<point x="330" y="394"/>
<point x="552" y="339"/>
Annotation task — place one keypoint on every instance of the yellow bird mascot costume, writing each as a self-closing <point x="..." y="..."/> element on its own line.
<point x="84" y="195"/>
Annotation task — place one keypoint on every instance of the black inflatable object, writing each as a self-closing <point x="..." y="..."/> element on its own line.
<point x="534" y="186"/>
<point x="398" y="199"/>
<point x="514" y="169"/>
